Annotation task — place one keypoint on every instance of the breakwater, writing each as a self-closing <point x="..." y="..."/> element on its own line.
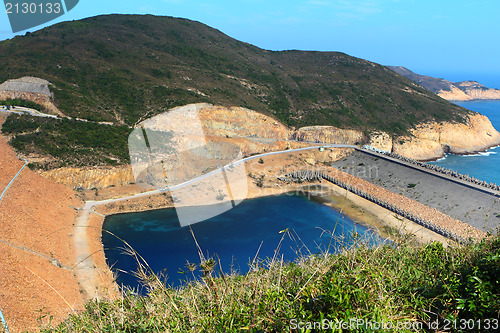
<point x="404" y="207"/>
<point x="437" y="168"/>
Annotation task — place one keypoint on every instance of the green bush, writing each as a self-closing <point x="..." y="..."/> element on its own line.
<point x="23" y="103"/>
<point x="70" y="142"/>
<point x="393" y="283"/>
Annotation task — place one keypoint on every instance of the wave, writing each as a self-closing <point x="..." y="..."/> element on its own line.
<point x="488" y="153"/>
<point x="481" y="153"/>
<point x="441" y="159"/>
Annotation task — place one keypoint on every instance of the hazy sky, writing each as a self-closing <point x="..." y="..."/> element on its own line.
<point x="455" y="39"/>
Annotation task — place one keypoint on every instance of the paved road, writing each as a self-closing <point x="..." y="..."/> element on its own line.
<point x="197" y="179"/>
<point x="85" y="269"/>
<point x="23" y="111"/>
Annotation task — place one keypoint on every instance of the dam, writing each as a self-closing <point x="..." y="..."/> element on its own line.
<point x="466" y="201"/>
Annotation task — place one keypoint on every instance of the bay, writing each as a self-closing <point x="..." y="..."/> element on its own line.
<point x="292" y="225"/>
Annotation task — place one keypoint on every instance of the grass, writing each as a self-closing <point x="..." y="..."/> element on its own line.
<point x="398" y="283"/>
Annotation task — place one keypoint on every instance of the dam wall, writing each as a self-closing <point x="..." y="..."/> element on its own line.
<point x="460" y="197"/>
<point x="412" y="211"/>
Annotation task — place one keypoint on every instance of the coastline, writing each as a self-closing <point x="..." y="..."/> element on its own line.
<point x="474" y="153"/>
<point x="386" y="223"/>
<point x="95" y="279"/>
<point x="473" y="100"/>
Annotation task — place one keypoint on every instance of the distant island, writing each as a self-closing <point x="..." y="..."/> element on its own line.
<point x="452" y="91"/>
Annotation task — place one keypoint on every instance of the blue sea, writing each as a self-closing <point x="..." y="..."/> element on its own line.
<point x="255" y="228"/>
<point x="484" y="166"/>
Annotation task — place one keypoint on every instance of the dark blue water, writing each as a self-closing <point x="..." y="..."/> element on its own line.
<point x="484" y="166"/>
<point x="234" y="237"/>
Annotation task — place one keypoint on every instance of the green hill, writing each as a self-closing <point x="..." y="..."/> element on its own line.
<point x="124" y="68"/>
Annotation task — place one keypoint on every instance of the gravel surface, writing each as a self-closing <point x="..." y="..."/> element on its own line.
<point x="27" y="84"/>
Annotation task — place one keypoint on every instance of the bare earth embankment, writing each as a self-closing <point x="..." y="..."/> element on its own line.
<point x="95" y="278"/>
<point x="35" y="221"/>
<point x="37" y="215"/>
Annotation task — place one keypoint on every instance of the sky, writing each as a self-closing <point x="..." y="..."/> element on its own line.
<point x="452" y="39"/>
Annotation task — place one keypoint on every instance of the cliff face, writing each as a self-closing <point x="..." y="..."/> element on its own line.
<point x="469" y="90"/>
<point x="88" y="178"/>
<point x="454" y="94"/>
<point x="250" y="131"/>
<point x="329" y="134"/>
<point x="237" y="122"/>
<point x="431" y="141"/>
<point x="32" y="89"/>
<point x="255" y="133"/>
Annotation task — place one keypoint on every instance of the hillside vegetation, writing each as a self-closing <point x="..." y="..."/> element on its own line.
<point x="416" y="287"/>
<point x="125" y="68"/>
<point x="67" y="142"/>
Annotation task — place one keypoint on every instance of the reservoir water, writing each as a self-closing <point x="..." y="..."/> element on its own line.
<point x="233" y="237"/>
<point x="484" y="166"/>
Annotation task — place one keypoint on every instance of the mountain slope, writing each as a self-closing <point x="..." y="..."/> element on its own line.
<point x="124" y="68"/>
<point x="457" y="91"/>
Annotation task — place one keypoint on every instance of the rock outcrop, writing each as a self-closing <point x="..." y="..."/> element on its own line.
<point x="432" y="141"/>
<point x="473" y="90"/>
<point x="88" y="178"/>
<point x="32" y="89"/>
<point x="255" y="133"/>
<point x="454" y="94"/>
<point x="452" y="91"/>
<point x="329" y="134"/>
<point x="381" y="141"/>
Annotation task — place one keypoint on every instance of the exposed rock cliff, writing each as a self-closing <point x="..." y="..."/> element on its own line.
<point x="32" y="89"/>
<point x="256" y="133"/>
<point x="474" y="90"/>
<point x="454" y="94"/>
<point x="431" y="141"/>
<point x="381" y="140"/>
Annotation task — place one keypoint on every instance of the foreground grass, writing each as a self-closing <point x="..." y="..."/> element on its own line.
<point x="398" y="284"/>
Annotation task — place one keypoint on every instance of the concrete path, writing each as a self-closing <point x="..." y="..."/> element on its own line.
<point x="85" y="269"/>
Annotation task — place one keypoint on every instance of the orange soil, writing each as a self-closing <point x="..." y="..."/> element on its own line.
<point x="35" y="214"/>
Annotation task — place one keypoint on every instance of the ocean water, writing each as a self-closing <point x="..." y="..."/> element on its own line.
<point x="255" y="227"/>
<point x="485" y="165"/>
